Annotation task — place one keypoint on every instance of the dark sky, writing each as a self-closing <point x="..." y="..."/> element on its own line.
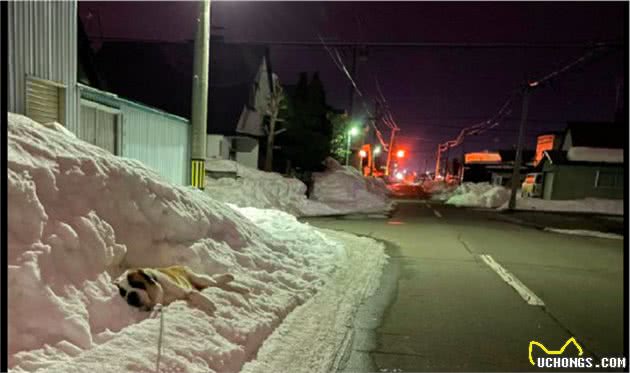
<point x="432" y="92"/>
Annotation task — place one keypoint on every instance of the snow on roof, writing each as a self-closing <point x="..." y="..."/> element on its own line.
<point x="586" y="154"/>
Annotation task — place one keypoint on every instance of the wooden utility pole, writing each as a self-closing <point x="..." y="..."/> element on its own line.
<point x="200" y="97"/>
<point x="516" y="171"/>
<point x="390" y="151"/>
<point x="437" y="162"/>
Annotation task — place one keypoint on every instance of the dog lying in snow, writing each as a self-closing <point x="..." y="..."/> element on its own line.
<point x="144" y="288"/>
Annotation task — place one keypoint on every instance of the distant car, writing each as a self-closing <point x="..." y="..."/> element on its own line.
<point x="532" y="186"/>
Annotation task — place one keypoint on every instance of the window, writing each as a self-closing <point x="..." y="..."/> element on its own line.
<point x="45" y="100"/>
<point x="608" y="179"/>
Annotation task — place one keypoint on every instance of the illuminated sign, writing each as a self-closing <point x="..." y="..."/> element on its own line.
<point x="482" y="157"/>
<point x="545" y="142"/>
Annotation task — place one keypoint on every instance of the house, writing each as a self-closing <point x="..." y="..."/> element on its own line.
<point x="587" y="164"/>
<point x="495" y="167"/>
<point x="53" y="78"/>
<point x="240" y="82"/>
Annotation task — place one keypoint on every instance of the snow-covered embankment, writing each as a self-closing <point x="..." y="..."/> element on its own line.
<point x="79" y="216"/>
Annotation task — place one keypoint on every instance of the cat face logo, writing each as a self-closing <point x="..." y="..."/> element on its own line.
<point x="554" y="352"/>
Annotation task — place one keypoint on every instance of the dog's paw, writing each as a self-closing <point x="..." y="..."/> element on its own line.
<point x="199" y="301"/>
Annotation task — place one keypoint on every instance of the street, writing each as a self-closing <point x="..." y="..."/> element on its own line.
<point x="442" y="308"/>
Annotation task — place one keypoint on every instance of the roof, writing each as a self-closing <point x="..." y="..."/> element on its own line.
<point x="160" y="75"/>
<point x="597" y="134"/>
<point x="559" y="157"/>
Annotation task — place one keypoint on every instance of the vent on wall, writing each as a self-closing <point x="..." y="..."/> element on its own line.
<point x="45" y="100"/>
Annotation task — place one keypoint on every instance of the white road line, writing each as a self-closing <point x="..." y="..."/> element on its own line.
<point x="428" y="205"/>
<point x="437" y="213"/>
<point x="514" y="282"/>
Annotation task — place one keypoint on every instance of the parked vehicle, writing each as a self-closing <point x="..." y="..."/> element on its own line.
<point x="532" y="186"/>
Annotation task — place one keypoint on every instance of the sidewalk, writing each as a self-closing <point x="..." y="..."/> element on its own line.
<point x="559" y="220"/>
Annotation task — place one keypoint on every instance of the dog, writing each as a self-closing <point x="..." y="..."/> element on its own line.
<point x="144" y="288"/>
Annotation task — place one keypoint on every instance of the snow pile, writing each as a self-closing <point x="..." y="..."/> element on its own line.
<point x="479" y="195"/>
<point x="438" y="189"/>
<point x="79" y="216"/>
<point x="269" y="190"/>
<point x="266" y="190"/>
<point x="581" y="153"/>
<point x="586" y="205"/>
<point x="346" y="190"/>
<point x="222" y="165"/>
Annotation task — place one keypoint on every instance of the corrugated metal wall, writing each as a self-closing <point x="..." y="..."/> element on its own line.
<point x="156" y="138"/>
<point x="42" y="41"/>
<point x="160" y="142"/>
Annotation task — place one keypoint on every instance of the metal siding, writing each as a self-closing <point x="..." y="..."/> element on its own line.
<point x="42" y="41"/>
<point x="158" y="139"/>
<point x="160" y="142"/>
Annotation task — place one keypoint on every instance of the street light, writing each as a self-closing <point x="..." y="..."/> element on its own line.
<point x="377" y="150"/>
<point x="351" y="132"/>
<point x="362" y="153"/>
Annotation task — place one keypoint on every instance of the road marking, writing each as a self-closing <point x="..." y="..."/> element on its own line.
<point x="437" y="213"/>
<point x="514" y="282"/>
<point x="428" y="205"/>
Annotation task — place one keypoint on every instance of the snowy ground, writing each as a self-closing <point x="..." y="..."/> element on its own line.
<point x="337" y="191"/>
<point x="79" y="216"/>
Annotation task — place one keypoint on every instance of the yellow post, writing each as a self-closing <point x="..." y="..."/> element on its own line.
<point x="197" y="173"/>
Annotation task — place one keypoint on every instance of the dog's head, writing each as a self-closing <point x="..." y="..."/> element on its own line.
<point x="137" y="287"/>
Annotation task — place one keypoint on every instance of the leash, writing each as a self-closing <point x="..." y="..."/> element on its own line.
<point x="158" y="308"/>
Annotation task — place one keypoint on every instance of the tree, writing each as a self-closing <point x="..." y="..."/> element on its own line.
<point x="340" y="124"/>
<point x="307" y="140"/>
<point x="277" y="103"/>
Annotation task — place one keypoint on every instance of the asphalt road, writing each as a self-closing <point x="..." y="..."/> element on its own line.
<point x="441" y="307"/>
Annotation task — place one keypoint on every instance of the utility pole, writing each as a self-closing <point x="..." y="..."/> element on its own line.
<point x="516" y="172"/>
<point x="390" y="150"/>
<point x="448" y="150"/>
<point x="200" y="96"/>
<point x="437" y="163"/>
<point x="353" y="73"/>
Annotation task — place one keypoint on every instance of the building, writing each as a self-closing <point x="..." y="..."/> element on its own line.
<point x="587" y="164"/>
<point x="42" y="61"/>
<point x="52" y="78"/>
<point x="495" y="167"/>
<point x="239" y="87"/>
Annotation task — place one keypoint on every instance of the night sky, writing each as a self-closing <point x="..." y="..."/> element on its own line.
<point x="432" y="92"/>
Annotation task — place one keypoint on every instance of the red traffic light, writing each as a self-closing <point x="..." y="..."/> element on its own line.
<point x="400" y="153"/>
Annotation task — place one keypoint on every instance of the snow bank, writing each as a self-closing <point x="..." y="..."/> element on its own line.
<point x="346" y="190"/>
<point x="310" y="338"/>
<point x="337" y="191"/>
<point x="438" y="189"/>
<point x="79" y="216"/>
<point x="587" y="205"/>
<point x="479" y="195"/>
<point x="581" y="153"/>
<point x="265" y="190"/>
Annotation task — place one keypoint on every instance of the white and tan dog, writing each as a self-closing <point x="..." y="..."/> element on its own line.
<point x="146" y="287"/>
